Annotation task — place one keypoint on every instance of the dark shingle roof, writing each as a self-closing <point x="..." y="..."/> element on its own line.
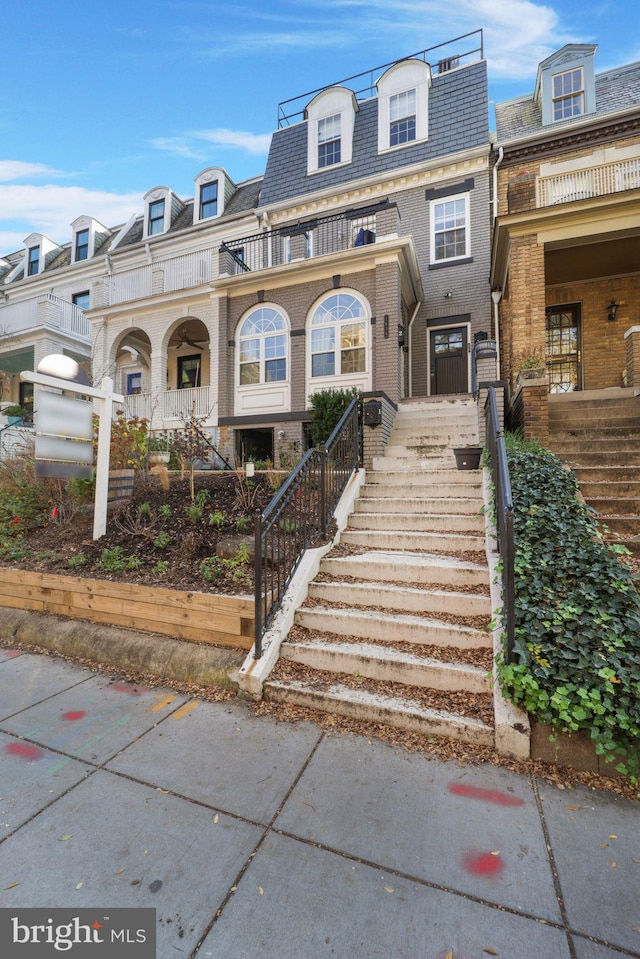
<point x="615" y="90"/>
<point x="458" y="120"/>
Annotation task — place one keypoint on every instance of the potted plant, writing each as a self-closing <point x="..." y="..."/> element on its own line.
<point x="159" y="449"/>
<point x="530" y="364"/>
<point x="16" y="414"/>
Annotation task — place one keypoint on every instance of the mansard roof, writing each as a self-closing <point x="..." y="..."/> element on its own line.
<point x="615" y="90"/>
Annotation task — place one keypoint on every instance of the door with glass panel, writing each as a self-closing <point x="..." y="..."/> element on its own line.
<point x="563" y="348"/>
<point x="448" y="364"/>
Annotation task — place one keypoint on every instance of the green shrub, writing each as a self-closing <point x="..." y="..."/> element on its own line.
<point x="162" y="541"/>
<point x="218" y="519"/>
<point x="577" y="614"/>
<point x="327" y="408"/>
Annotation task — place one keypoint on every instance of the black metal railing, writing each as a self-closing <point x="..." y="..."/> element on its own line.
<point x="503" y="517"/>
<point x="300" y="514"/>
<point x="301" y="240"/>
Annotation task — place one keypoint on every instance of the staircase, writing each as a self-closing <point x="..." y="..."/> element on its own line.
<point x="598" y="435"/>
<point x="395" y="626"/>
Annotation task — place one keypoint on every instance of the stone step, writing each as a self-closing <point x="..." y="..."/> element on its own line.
<point x="394" y="711"/>
<point x="438" y="482"/>
<point x="391" y="627"/>
<point x="398" y="464"/>
<point x="604" y="474"/>
<point x="375" y="501"/>
<point x="386" y="665"/>
<point x="631" y="543"/>
<point x="580" y="458"/>
<point x="436" y="434"/>
<point x="566" y="444"/>
<point x="615" y="505"/>
<point x="442" y="542"/>
<point x="418" y="569"/>
<point x="418" y="522"/>
<point x="622" y="525"/>
<point x="403" y="598"/>
<point x="593" y="489"/>
<point x="612" y="422"/>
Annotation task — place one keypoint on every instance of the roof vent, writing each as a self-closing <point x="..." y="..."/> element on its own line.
<point x="449" y="64"/>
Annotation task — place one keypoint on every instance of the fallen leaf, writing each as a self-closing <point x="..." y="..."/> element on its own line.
<point x="261" y="890"/>
<point x="389" y="888"/>
<point x="216" y="817"/>
<point x="603" y="845"/>
<point x="64" y="838"/>
<point x="80" y="885"/>
<point x="12" y="886"/>
<point x="560" y="785"/>
<point x="233" y="888"/>
<point x="135" y="882"/>
<point x="613" y="864"/>
<point x="119" y="872"/>
<point x="613" y="837"/>
<point x="491" y="952"/>
<point x="573" y="808"/>
<point x="496" y="852"/>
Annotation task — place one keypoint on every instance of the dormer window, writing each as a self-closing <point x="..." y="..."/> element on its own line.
<point x="208" y="200"/>
<point x="329" y="141"/>
<point x="82" y="245"/>
<point x="330" y="121"/>
<point x="403" y="100"/>
<point x="33" y="261"/>
<point x="568" y="94"/>
<point x="156" y="217"/>
<point x="402" y="118"/>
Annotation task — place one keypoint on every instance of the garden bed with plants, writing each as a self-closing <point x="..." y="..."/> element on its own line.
<point x="577" y="637"/>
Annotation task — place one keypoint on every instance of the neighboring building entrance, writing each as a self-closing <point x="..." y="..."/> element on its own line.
<point x="449" y="360"/>
<point x="563" y="353"/>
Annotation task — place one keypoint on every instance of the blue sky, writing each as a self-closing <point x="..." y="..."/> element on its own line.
<point x="100" y="102"/>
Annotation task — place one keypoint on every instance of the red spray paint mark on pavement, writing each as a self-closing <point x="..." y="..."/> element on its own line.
<point x="483" y="864"/>
<point x="24" y="751"/>
<point x="73" y="716"/>
<point x="11" y="653"/>
<point x="489" y="795"/>
<point x="126" y="688"/>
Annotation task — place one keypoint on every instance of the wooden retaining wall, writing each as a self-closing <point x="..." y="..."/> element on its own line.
<point x="207" y="618"/>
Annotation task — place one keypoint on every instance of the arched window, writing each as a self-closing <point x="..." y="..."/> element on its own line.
<point x="262" y="347"/>
<point x="338" y="336"/>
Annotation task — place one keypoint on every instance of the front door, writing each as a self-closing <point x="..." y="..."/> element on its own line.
<point x="563" y="353"/>
<point x="449" y="361"/>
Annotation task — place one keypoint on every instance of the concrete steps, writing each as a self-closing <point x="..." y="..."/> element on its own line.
<point x="598" y="435"/>
<point x="394" y="605"/>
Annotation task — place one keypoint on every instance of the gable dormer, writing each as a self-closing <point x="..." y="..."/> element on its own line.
<point x="88" y="236"/>
<point x="39" y="252"/>
<point x="213" y="189"/>
<point x="403" y="105"/>
<point x="565" y="86"/>
<point x="161" y="208"/>
<point x="330" y="120"/>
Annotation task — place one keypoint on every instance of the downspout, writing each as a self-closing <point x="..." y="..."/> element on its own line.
<point x="410" y="324"/>
<point x="496" y="294"/>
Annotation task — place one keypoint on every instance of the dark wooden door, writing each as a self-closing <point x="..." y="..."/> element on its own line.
<point x="449" y="364"/>
<point x="563" y="351"/>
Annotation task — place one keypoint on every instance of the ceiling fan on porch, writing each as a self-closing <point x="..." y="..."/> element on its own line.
<point x="185" y="340"/>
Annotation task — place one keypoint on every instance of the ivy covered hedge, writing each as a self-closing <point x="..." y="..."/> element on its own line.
<point x="577" y="645"/>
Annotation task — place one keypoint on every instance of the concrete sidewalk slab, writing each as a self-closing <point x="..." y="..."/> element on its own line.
<point x="299" y="901"/>
<point x="475" y="829"/>
<point x="30" y="778"/>
<point x="111" y="842"/>
<point x="225" y="756"/>
<point x="601" y="830"/>
<point x="28" y="679"/>
<point x="94" y="719"/>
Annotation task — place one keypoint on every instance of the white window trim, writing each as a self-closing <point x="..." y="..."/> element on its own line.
<point x="564" y="97"/>
<point x="403" y="78"/>
<point x="336" y="101"/>
<point x="467" y="227"/>
<point x="263" y="397"/>
<point x="361" y="380"/>
<point x="153" y="196"/>
<point x="205" y="178"/>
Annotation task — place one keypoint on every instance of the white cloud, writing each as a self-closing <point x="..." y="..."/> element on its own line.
<point x="178" y="146"/>
<point x="50" y="209"/>
<point x="20" y="170"/>
<point x="187" y="145"/>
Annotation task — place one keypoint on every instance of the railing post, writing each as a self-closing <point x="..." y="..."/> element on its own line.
<point x="258" y="584"/>
<point x="322" y="449"/>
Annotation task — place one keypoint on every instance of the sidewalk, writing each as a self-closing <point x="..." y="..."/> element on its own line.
<point x="256" y="839"/>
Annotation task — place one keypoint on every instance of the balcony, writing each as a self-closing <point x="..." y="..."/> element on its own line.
<point x="306" y="240"/>
<point x="46" y="311"/>
<point x="164" y="276"/>
<point x="174" y="405"/>
<point x="600" y="180"/>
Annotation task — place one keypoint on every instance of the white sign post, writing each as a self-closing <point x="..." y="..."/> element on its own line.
<point x="105" y="399"/>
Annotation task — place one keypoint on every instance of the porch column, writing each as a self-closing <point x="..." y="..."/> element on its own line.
<point x="526" y="299"/>
<point x="632" y="346"/>
<point x="157" y="386"/>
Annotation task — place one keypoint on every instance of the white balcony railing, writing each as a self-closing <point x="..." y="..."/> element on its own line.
<point x="600" y="180"/>
<point x="46" y="311"/>
<point x="137" y="405"/>
<point x="181" y="404"/>
<point x="163" y="276"/>
<point x="129" y="285"/>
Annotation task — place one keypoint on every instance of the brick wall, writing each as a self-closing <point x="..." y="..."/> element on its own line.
<point x="632" y="344"/>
